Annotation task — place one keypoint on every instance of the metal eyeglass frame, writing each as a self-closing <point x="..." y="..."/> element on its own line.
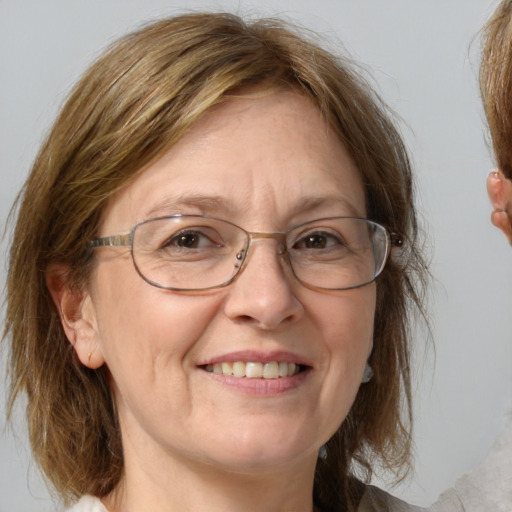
<point x="126" y="240"/>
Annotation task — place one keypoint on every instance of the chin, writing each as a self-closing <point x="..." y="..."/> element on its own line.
<point x="259" y="452"/>
<point x="250" y="463"/>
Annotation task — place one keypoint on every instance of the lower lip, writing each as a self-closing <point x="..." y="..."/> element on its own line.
<point x="261" y="387"/>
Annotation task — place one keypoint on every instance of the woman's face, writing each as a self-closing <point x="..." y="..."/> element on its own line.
<point x="266" y="163"/>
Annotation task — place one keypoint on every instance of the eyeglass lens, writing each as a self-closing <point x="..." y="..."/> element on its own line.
<point x="194" y="252"/>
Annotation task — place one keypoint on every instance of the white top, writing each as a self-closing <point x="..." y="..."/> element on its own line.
<point x="88" y="504"/>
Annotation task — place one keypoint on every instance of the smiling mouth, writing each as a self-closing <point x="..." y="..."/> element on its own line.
<point x="255" y="370"/>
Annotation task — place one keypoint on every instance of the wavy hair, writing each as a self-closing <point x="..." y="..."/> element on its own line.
<point x="496" y="83"/>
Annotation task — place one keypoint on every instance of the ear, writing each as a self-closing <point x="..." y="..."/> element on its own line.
<point x="499" y="190"/>
<point x="77" y="315"/>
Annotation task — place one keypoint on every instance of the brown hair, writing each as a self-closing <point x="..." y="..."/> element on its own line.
<point x="128" y="109"/>
<point x="496" y="83"/>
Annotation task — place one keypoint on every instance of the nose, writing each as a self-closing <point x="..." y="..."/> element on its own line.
<point x="263" y="293"/>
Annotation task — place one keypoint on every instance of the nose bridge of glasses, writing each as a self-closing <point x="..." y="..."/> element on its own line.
<point x="247" y="253"/>
<point x="279" y="237"/>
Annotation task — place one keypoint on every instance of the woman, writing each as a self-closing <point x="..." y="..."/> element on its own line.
<point x="211" y="278"/>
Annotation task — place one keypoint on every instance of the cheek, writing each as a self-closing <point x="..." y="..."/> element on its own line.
<point x="347" y="322"/>
<point x="144" y="327"/>
<point x="347" y="326"/>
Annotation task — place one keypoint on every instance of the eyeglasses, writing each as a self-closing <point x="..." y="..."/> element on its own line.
<point x="194" y="252"/>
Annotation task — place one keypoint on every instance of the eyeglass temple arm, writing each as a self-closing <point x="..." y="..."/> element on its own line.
<point x="112" y="241"/>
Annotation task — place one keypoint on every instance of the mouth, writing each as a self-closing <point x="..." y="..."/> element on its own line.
<point x="271" y="370"/>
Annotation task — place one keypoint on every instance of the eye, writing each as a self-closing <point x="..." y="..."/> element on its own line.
<point x="191" y="239"/>
<point x="318" y="240"/>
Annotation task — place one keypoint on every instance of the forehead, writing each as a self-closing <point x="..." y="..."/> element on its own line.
<point x="266" y="153"/>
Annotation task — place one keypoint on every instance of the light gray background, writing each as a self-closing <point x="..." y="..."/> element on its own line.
<point x="423" y="56"/>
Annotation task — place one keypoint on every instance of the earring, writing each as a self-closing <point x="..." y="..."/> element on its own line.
<point x="367" y="374"/>
<point x="322" y="453"/>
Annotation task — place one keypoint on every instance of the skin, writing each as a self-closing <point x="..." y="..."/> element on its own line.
<point x="265" y="162"/>
<point x="499" y="190"/>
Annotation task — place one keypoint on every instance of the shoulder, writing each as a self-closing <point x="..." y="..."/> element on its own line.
<point x="377" y="500"/>
<point x="489" y="487"/>
<point x="88" y="504"/>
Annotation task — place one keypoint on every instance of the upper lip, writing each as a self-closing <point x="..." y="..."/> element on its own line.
<point x="258" y="357"/>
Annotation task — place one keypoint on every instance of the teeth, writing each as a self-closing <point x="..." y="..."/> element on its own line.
<point x="254" y="370"/>
<point x="283" y="369"/>
<point x="271" y="370"/>
<point x="239" y="369"/>
<point x="227" y="368"/>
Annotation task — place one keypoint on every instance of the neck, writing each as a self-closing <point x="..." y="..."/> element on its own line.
<point x="191" y="486"/>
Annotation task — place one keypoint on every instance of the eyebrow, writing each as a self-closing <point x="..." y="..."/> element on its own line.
<point x="315" y="202"/>
<point x="215" y="205"/>
<point x="204" y="204"/>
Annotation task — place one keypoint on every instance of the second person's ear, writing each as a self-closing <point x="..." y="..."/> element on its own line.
<point x="499" y="190"/>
